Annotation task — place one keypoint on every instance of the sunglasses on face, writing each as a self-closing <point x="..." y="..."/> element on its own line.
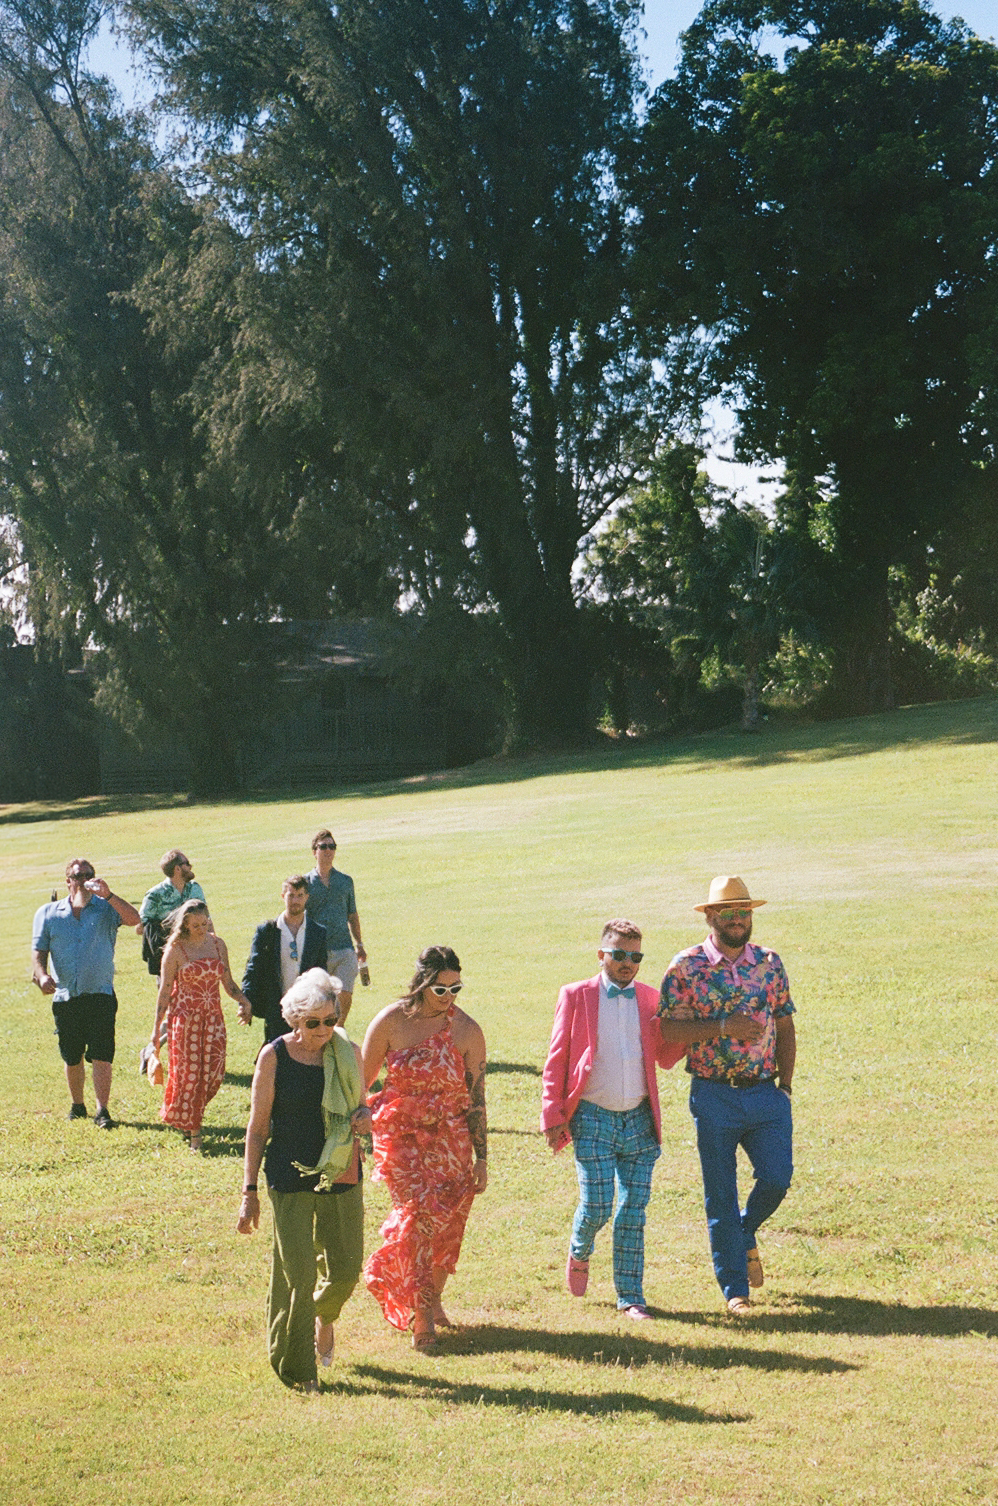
<point x="81" y="878"/>
<point x="441" y="991"/>
<point x="619" y="955"/>
<point x="325" y="846"/>
<point x="329" y="1022"/>
<point x="729" y="914"/>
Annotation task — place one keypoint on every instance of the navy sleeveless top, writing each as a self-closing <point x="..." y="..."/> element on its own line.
<point x="297" y="1132"/>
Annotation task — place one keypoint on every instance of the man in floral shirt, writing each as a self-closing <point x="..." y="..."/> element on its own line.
<point x="728" y="1002"/>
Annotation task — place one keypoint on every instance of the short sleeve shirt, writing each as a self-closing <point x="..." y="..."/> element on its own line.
<point x="80" y="947"/>
<point x="702" y="984"/>
<point x="330" y="904"/>
<point x="164" y="898"/>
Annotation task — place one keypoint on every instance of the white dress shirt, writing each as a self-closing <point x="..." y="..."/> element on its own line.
<point x="290" y="966"/>
<point x="617" y="1080"/>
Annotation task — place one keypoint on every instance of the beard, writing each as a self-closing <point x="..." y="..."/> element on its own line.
<point x="732" y="934"/>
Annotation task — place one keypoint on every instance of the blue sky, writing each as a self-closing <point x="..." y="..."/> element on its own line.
<point x="664" y="20"/>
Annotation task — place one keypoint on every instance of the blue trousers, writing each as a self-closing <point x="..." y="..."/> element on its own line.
<point x="759" y="1120"/>
<point x="614" y="1152"/>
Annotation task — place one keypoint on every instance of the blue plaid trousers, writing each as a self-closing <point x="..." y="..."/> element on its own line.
<point x="614" y="1152"/>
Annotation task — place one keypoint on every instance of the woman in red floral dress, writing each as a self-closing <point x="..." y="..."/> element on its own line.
<point x="195" y="962"/>
<point x="430" y="1144"/>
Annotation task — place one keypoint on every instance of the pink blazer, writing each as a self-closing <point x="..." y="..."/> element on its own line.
<point x="573" y="1045"/>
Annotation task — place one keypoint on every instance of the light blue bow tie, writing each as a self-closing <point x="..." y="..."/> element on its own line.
<point x="612" y="991"/>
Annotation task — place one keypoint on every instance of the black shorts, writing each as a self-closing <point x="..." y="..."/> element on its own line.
<point x="85" y="1025"/>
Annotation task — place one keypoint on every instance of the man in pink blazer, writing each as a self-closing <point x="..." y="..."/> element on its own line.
<point x="600" y="1093"/>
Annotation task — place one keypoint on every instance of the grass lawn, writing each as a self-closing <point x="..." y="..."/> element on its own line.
<point x="132" y="1341"/>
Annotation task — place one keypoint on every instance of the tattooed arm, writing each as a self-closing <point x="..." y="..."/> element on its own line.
<point x="473" y="1051"/>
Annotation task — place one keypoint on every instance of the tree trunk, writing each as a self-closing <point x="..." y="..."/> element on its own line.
<point x="548" y="673"/>
<point x="750" y="699"/>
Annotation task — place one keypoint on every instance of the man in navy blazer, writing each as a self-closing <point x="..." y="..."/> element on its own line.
<point x="282" y="949"/>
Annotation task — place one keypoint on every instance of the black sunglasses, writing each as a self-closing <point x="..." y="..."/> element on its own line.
<point x="329" y="1022"/>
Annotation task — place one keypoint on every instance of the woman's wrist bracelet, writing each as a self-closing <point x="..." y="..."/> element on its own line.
<point x="250" y="1188"/>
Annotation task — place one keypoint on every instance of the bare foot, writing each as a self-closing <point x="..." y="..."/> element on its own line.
<point x="324" y="1341"/>
<point x="195" y="1143"/>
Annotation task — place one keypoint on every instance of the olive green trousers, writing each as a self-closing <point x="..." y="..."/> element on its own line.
<point x="318" y="1250"/>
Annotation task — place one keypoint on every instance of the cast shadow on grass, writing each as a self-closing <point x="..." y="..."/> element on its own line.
<point x="971" y="722"/>
<point x="526" y="1068"/>
<point x="238" y="1079"/>
<point x="863" y="1316"/>
<point x="620" y="1350"/>
<point x="406" y="1385"/>
<point x="223" y="1140"/>
<point x="219" y="1139"/>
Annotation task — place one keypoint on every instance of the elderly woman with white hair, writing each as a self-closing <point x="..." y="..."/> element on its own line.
<point x="308" y="1109"/>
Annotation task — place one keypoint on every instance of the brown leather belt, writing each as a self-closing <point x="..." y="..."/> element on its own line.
<point x="739" y="1082"/>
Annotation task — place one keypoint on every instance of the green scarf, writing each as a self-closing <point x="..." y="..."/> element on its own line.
<point x="342" y="1092"/>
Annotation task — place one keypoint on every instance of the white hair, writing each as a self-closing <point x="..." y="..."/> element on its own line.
<point x="310" y="992"/>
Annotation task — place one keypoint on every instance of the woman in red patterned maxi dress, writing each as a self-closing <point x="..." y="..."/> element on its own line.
<point x="430" y="1144"/>
<point x="195" y="962"/>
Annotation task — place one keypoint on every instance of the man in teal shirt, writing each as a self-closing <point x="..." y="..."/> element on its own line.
<point x="331" y="902"/>
<point x="175" y="890"/>
<point x="156" y="909"/>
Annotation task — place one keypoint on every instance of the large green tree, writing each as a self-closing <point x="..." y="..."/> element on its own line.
<point x="681" y="574"/>
<point x="820" y="188"/>
<point x="140" y="540"/>
<point x="434" y="297"/>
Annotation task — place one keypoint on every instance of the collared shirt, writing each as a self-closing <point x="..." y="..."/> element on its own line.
<point x="164" y="898"/>
<point x="617" y="1080"/>
<point x="330" y="904"/>
<point x="290" y="966"/>
<point x="80" y="946"/>
<point x="703" y="984"/>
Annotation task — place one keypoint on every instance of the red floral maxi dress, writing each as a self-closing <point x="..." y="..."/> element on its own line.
<point x="422" y="1151"/>
<point x="197" y="1044"/>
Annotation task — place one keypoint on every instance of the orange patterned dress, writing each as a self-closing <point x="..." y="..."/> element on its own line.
<point x="423" y="1152"/>
<point x="197" y="1044"/>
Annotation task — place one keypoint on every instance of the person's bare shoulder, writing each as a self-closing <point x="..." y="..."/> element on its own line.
<point x="466" y="1031"/>
<point x="386" y="1017"/>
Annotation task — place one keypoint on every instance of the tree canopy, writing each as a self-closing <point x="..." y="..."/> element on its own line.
<point x="829" y="214"/>
<point x="138" y="540"/>
<point x="438" y="263"/>
<point x="419" y="309"/>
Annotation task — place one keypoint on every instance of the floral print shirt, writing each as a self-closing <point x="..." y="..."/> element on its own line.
<point x="702" y="984"/>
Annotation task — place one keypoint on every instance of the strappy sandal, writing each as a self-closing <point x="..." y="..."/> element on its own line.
<point x="424" y="1335"/>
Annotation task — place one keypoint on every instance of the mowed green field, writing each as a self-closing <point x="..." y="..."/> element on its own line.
<point x="132" y="1344"/>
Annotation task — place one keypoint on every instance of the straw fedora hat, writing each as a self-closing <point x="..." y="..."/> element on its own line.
<point x="729" y="889"/>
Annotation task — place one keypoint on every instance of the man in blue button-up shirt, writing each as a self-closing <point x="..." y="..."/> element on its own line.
<point x="73" y="961"/>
